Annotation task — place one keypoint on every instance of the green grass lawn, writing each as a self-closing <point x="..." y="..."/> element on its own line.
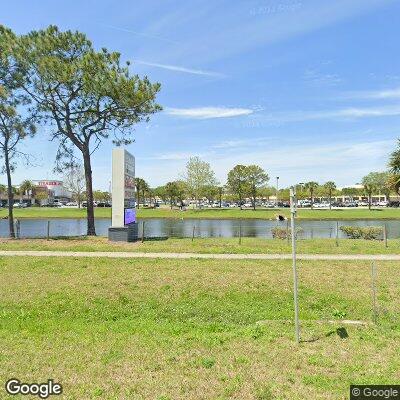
<point x="196" y="329"/>
<point x="208" y="245"/>
<point x="351" y="213"/>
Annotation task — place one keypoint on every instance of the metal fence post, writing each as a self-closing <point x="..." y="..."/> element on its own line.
<point x="373" y="286"/>
<point x="240" y="232"/>
<point x="142" y="231"/>
<point x="337" y="233"/>
<point x="287" y="231"/>
<point x="385" y="235"/>
<point x="48" y="229"/>
<point x="293" y="202"/>
<point x="194" y="230"/>
<point x="18" y="228"/>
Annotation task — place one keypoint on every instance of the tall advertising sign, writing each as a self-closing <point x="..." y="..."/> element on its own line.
<point x="123" y="188"/>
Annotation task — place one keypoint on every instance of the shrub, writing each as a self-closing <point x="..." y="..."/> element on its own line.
<point x="282" y="233"/>
<point x="368" y="233"/>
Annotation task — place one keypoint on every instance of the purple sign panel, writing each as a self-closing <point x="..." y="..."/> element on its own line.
<point x="129" y="216"/>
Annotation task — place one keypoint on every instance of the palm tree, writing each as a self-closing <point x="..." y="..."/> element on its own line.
<point x="369" y="190"/>
<point x="330" y="187"/>
<point x="394" y="169"/>
<point x="394" y="160"/>
<point x="311" y="186"/>
<point x="26" y="187"/>
<point x="141" y="188"/>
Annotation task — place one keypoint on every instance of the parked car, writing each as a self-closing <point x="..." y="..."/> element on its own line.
<point x="321" y="205"/>
<point x="19" y="205"/>
<point x="101" y="204"/>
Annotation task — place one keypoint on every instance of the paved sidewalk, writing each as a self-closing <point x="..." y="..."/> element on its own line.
<point x="119" y="254"/>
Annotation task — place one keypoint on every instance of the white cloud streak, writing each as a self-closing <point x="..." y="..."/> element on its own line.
<point x="376" y="94"/>
<point x="350" y="113"/>
<point x="181" y="69"/>
<point x="208" y="112"/>
<point x="175" y="156"/>
<point x="140" y="33"/>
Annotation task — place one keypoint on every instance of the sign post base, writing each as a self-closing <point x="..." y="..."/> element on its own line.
<point x="129" y="233"/>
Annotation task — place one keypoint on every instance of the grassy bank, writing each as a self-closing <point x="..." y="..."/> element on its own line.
<point x="317" y="214"/>
<point x="208" y="245"/>
<point x="191" y="329"/>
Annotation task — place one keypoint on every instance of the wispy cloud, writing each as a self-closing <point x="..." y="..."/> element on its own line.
<point x="242" y="29"/>
<point x="174" y="156"/>
<point x="375" y="94"/>
<point x="321" y="78"/>
<point x="349" y="113"/>
<point x="140" y="33"/>
<point x="243" y="143"/>
<point x="354" y="113"/>
<point x="181" y="69"/>
<point x="209" y="112"/>
<point x="230" y="144"/>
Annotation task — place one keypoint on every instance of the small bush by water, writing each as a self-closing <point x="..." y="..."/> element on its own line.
<point x="368" y="233"/>
<point x="283" y="233"/>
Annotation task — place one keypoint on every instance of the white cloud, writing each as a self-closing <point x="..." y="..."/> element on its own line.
<point x="243" y="143"/>
<point x="341" y="114"/>
<point x="230" y="144"/>
<point x="208" y="112"/>
<point x="175" y="156"/>
<point x="140" y="33"/>
<point x="319" y="78"/>
<point x="181" y="69"/>
<point x="375" y="94"/>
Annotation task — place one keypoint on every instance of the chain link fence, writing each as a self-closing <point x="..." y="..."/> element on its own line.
<point x="190" y="228"/>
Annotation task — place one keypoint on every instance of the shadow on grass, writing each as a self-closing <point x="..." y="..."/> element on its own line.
<point x="341" y="332"/>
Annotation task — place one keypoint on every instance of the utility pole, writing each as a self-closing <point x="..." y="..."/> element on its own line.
<point x="293" y="204"/>
<point x="277" y="190"/>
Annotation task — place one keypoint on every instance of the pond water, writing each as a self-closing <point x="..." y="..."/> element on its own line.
<point x="163" y="227"/>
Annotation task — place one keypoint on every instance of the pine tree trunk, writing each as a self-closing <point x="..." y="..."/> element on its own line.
<point x="91" y="230"/>
<point x="10" y="195"/>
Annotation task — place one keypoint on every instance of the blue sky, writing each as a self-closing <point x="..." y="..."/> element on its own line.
<point x="308" y="89"/>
